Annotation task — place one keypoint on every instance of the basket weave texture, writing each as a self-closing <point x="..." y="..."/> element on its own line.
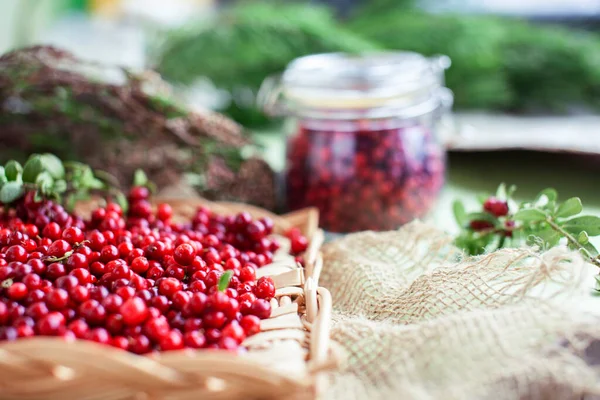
<point x="284" y="360"/>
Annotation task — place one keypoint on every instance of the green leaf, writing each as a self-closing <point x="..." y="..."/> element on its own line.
<point x="140" y="178"/>
<point x="459" y="213"/>
<point x="224" y="280"/>
<point x="583" y="238"/>
<point x="60" y="186"/>
<point x="482" y="197"/>
<point x="591" y="249"/>
<point x="548" y="236"/>
<point x="2" y="175"/>
<point x="33" y="167"/>
<point x="588" y="223"/>
<point x="88" y="180"/>
<point x="549" y="193"/>
<point x="569" y="208"/>
<point x="53" y="165"/>
<point x="511" y="190"/>
<point x="530" y="215"/>
<point x="121" y="200"/>
<point x="45" y="182"/>
<point x="10" y="192"/>
<point x="545" y="196"/>
<point x="13" y="170"/>
<point x="501" y="192"/>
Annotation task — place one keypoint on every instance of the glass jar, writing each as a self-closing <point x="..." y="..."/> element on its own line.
<point x="363" y="147"/>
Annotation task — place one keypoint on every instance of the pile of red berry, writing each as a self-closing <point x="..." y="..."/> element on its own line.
<point x="364" y="174"/>
<point x="139" y="282"/>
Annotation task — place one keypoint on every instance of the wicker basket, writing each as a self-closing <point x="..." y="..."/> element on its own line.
<point x="283" y="360"/>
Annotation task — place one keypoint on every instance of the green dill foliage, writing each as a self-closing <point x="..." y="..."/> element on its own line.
<point x="247" y="43"/>
<point x="544" y="222"/>
<point x="50" y="178"/>
<point x="497" y="63"/>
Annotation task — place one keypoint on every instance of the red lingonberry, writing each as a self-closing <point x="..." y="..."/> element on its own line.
<point x="194" y="340"/>
<point x="250" y="324"/>
<point x="138" y="193"/>
<point x="17" y="291"/>
<point x="184" y="254"/>
<point x="73" y="235"/>
<point x="140" y="344"/>
<point x="52" y="231"/>
<point x="50" y="324"/>
<point x="134" y="311"/>
<point x="120" y="342"/>
<point x="77" y="260"/>
<point x="92" y="311"/>
<point x="164" y="212"/>
<point x="16" y="253"/>
<point x="156" y="328"/>
<point x="496" y="207"/>
<point x="168" y="287"/>
<point x="99" y="335"/>
<point x="172" y="341"/>
<point x="261" y="308"/>
<point x="57" y="299"/>
<point x="299" y="244"/>
<point x="265" y="288"/>
<point x="480" y="225"/>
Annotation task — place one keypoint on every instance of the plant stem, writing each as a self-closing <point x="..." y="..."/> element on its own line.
<point x="573" y="241"/>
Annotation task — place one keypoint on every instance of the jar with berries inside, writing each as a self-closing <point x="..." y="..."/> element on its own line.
<point x="363" y="145"/>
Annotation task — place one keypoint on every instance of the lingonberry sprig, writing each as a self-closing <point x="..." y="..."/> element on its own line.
<point x="45" y="176"/>
<point x="544" y="222"/>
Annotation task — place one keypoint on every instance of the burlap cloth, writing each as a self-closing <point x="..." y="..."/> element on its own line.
<point x="416" y="320"/>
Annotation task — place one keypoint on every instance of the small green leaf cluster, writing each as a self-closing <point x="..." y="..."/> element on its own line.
<point x="50" y="178"/>
<point x="544" y="222"/>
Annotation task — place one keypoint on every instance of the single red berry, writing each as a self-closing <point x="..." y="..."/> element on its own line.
<point x="496" y="207"/>
<point x="114" y="324"/>
<point x="138" y="193"/>
<point x="140" y="344"/>
<point x="169" y="286"/>
<point x="247" y="273"/>
<point x="265" y="288"/>
<point x="16" y="253"/>
<point x="197" y="286"/>
<point x="250" y="324"/>
<point x="77" y="260"/>
<point x="228" y="343"/>
<point x="73" y="235"/>
<point x="58" y="248"/>
<point x="79" y="294"/>
<point x="52" y="231"/>
<point x="194" y="340"/>
<point x="66" y="282"/>
<point x="164" y="212"/>
<point x="234" y="331"/>
<point x="109" y="253"/>
<point x="32" y="281"/>
<point x="261" y="308"/>
<point x="125" y="292"/>
<point x="134" y="311"/>
<point x="156" y="328"/>
<point x="180" y="300"/>
<point x="172" y="341"/>
<point x="82" y="275"/>
<point x="161" y="303"/>
<point x="35" y="311"/>
<point x="120" y="342"/>
<point x="57" y="299"/>
<point x="215" y="319"/>
<point x="79" y="328"/>
<point x="184" y="254"/>
<point x="92" y="311"/>
<point x="480" y="225"/>
<point x="299" y="244"/>
<point x="17" y="291"/>
<point x="51" y="324"/>
<point x="99" y="335"/>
